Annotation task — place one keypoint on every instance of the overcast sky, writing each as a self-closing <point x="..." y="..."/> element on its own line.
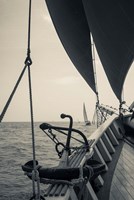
<point x="56" y="84"/>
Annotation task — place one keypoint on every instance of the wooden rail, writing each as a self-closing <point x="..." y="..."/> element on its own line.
<point x="103" y="144"/>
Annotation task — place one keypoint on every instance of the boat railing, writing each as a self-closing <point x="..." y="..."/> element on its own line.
<point x="110" y="123"/>
<point x="102" y="145"/>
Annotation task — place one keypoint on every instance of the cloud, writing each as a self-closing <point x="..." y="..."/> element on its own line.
<point x="69" y="80"/>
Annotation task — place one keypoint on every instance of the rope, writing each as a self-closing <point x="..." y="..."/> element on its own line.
<point x="28" y="61"/>
<point x="96" y="84"/>
<point x="29" y="28"/>
<point x="12" y="94"/>
<point x="32" y="129"/>
<point x="55" y="181"/>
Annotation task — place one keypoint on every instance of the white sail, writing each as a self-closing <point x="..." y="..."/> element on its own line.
<point x="87" y="122"/>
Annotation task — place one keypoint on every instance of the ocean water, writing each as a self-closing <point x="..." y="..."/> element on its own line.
<point x="16" y="150"/>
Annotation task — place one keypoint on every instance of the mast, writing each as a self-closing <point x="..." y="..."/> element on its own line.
<point x="97" y="112"/>
<point x="94" y="69"/>
<point x="100" y="114"/>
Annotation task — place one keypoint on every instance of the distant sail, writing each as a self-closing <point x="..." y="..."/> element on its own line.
<point x="87" y="122"/>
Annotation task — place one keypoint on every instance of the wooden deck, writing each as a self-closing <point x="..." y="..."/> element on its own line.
<point x="123" y="180"/>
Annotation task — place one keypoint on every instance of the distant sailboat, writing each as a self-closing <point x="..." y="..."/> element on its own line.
<point x="87" y="122"/>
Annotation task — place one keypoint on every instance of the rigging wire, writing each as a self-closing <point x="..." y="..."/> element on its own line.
<point x="99" y="114"/>
<point x="96" y="85"/>
<point x="12" y="94"/>
<point x="28" y="61"/>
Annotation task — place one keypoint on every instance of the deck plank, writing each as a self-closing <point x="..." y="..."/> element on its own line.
<point x="112" y="197"/>
<point x="125" y="183"/>
<point x="115" y="192"/>
<point x="123" y="180"/>
<point x="124" y="171"/>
